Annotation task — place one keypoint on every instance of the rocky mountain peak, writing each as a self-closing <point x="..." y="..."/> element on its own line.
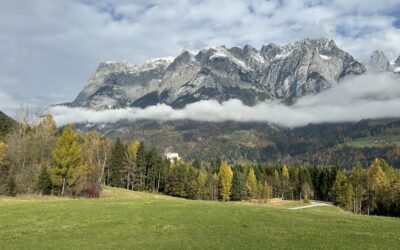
<point x="396" y="65"/>
<point x="277" y="72"/>
<point x="378" y="62"/>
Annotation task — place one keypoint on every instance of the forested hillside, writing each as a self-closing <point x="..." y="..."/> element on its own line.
<point x="331" y="144"/>
<point x="39" y="159"/>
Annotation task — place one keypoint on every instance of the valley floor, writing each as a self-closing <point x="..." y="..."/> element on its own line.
<point x="123" y="219"/>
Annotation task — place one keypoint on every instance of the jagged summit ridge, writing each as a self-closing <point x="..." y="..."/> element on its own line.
<point x="379" y="62"/>
<point x="274" y="72"/>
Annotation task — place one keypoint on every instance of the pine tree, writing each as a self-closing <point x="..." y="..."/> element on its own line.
<point x="43" y="184"/>
<point x="340" y="189"/>
<point x="179" y="181"/>
<point x="324" y="184"/>
<point x="66" y="158"/>
<point x="251" y="184"/>
<point x="117" y="163"/>
<point x="153" y="170"/>
<point x="277" y="184"/>
<point x="141" y="163"/>
<point x="225" y="181"/>
<point x="197" y="164"/>
<point x="238" y="186"/>
<point x="191" y="189"/>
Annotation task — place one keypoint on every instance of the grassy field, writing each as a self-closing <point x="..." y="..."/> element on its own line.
<point x="376" y="141"/>
<point x="130" y="220"/>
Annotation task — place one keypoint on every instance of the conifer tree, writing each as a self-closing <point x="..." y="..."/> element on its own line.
<point x="66" y="158"/>
<point x="141" y="163"/>
<point x="43" y="184"/>
<point x="197" y="164"/>
<point x="225" y="181"/>
<point x="179" y="180"/>
<point x="117" y="163"/>
<point x="238" y="186"/>
<point x="251" y="184"/>
<point x="324" y="188"/>
<point x="340" y="189"/>
<point x="153" y="170"/>
<point x="277" y="184"/>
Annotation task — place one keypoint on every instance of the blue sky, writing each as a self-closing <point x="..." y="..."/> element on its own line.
<point x="50" y="48"/>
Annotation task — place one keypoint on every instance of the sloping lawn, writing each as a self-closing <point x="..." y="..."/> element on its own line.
<point x="132" y="220"/>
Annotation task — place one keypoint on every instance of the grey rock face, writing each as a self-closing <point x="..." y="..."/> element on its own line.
<point x="396" y="65"/>
<point x="275" y="72"/>
<point x="378" y="62"/>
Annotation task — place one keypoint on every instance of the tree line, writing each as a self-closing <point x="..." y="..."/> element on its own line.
<point x="40" y="159"/>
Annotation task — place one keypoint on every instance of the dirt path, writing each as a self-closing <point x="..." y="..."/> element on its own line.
<point x="313" y="204"/>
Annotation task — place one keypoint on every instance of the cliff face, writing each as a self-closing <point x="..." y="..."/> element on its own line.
<point x="378" y="62"/>
<point x="274" y="72"/>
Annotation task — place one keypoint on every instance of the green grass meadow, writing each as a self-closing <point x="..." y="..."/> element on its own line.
<point x="132" y="220"/>
<point x="376" y="141"/>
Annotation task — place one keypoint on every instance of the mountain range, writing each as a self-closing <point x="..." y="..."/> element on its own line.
<point x="280" y="73"/>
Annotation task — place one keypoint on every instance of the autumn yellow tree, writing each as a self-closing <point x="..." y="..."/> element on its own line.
<point x="358" y="179"/>
<point x="285" y="183"/>
<point x="377" y="182"/>
<point x="251" y="184"/>
<point x="66" y="159"/>
<point x="3" y="151"/>
<point x="87" y="177"/>
<point x="199" y="184"/>
<point x="265" y="192"/>
<point x="225" y="176"/>
<point x="130" y="166"/>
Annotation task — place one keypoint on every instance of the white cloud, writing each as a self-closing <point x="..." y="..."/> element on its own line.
<point x="362" y="97"/>
<point x="50" y="48"/>
<point x="6" y="102"/>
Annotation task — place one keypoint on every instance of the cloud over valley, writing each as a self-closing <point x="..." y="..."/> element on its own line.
<point x="370" y="96"/>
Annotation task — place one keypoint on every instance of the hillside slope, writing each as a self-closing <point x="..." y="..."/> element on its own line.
<point x="127" y="220"/>
<point x="315" y="144"/>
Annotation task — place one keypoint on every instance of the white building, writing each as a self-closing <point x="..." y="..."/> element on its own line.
<point x="172" y="156"/>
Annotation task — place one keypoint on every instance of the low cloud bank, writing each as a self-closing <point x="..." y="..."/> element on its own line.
<point x="369" y="96"/>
